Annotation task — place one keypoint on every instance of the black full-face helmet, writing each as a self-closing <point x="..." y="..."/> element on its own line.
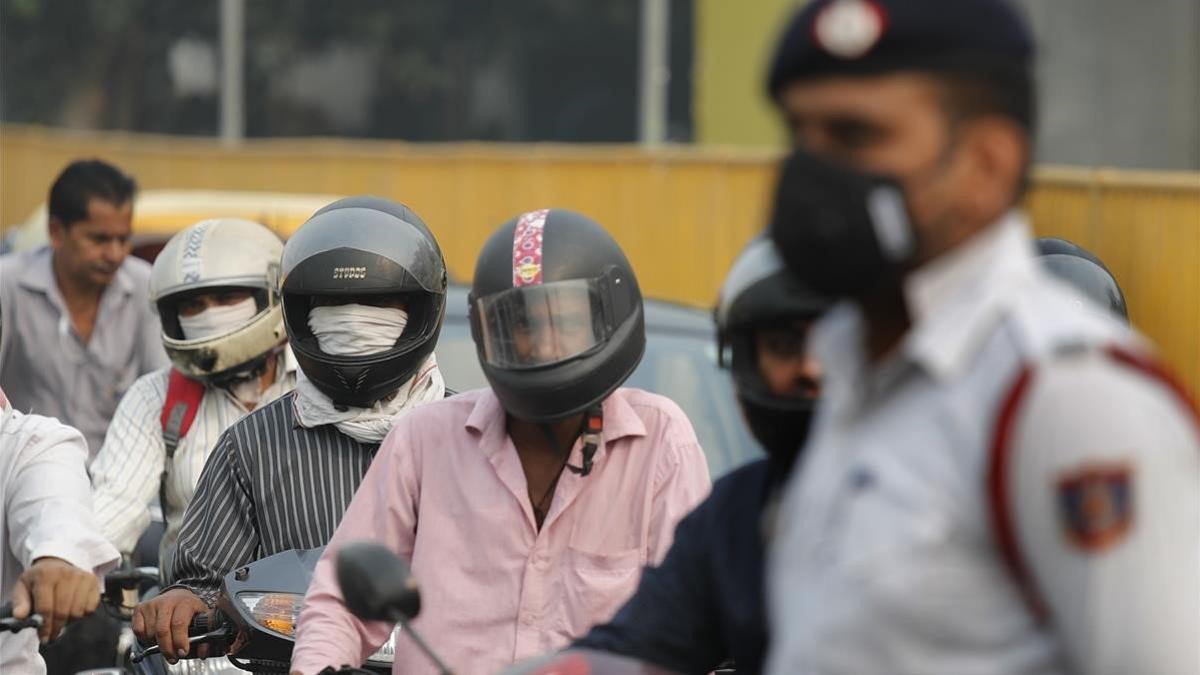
<point x="355" y="247"/>
<point x="759" y="293"/>
<point x="1083" y="270"/>
<point x="556" y="314"/>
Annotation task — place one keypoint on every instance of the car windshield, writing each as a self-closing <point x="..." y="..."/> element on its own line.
<point x="679" y="365"/>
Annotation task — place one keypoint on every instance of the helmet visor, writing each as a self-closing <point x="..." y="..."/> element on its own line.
<point x="540" y="325"/>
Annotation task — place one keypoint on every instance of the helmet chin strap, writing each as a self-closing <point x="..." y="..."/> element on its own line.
<point x="593" y="428"/>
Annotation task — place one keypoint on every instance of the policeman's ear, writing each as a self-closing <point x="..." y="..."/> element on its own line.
<point x="997" y="155"/>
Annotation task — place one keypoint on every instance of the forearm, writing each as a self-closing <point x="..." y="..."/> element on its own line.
<point x="49" y="510"/>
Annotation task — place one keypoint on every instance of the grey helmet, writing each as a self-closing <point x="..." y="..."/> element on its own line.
<point x="1084" y="271"/>
<point x="217" y="254"/>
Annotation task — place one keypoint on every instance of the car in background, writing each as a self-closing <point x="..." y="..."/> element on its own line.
<point x="158" y="214"/>
<point x="680" y="363"/>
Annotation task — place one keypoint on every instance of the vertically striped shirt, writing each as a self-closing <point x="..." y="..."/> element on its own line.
<point x="126" y="472"/>
<point x="271" y="485"/>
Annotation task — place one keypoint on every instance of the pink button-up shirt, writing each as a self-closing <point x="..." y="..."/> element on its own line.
<point x="447" y="492"/>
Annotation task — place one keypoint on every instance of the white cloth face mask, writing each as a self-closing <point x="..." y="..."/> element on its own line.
<point x="356" y="330"/>
<point x="218" y="319"/>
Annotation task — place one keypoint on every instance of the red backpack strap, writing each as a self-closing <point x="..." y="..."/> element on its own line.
<point x="179" y="410"/>
<point x="178" y="413"/>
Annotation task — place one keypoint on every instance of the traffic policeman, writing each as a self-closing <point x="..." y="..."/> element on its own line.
<point x="1000" y="478"/>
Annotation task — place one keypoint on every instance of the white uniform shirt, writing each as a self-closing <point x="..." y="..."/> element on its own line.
<point x="46" y="512"/>
<point x="126" y="472"/>
<point x="893" y="540"/>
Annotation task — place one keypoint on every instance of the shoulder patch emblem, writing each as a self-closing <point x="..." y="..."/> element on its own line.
<point x="1095" y="505"/>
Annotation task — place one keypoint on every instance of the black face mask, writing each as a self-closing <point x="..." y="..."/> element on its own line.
<point x="781" y="432"/>
<point x="840" y="231"/>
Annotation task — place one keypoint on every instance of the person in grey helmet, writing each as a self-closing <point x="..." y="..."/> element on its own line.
<point x="705" y="604"/>
<point x="540" y="498"/>
<point x="362" y="285"/>
<point x="1084" y="271"/>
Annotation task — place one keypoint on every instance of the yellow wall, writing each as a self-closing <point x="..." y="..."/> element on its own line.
<point x="1146" y="228"/>
<point x="682" y="215"/>
<point x="734" y="40"/>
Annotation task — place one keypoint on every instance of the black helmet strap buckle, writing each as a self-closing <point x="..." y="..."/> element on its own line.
<point x="593" y="429"/>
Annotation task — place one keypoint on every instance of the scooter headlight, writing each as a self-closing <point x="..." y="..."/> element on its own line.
<point x="280" y="611"/>
<point x="274" y="611"/>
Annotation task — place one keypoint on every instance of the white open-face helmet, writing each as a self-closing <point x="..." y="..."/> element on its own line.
<point x="223" y="253"/>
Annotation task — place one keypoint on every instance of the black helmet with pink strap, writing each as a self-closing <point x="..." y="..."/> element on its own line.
<point x="556" y="314"/>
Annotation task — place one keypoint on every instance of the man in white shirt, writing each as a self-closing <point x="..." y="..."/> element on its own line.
<point x="222" y="326"/>
<point x="999" y="479"/>
<point x="53" y="550"/>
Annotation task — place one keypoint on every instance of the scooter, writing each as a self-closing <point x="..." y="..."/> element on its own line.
<point x="377" y="585"/>
<point x="254" y="624"/>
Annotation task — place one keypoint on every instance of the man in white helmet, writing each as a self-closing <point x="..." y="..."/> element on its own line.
<point x="222" y="326"/>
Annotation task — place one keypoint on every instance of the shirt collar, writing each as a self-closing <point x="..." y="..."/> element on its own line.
<point x="488" y="418"/>
<point x="39" y="275"/>
<point x="837" y="343"/>
<point x="953" y="302"/>
<point x="956" y="299"/>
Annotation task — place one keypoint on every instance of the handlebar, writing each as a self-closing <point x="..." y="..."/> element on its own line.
<point x="203" y="629"/>
<point x="11" y="625"/>
<point x="123" y="587"/>
<point x="131" y="578"/>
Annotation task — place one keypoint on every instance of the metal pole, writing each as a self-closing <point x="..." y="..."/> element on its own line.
<point x="233" y="40"/>
<point x="655" y="71"/>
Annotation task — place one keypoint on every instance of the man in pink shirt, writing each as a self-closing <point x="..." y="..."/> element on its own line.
<point x="527" y="510"/>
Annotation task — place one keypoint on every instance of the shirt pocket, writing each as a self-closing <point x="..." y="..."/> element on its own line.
<point x="890" y="522"/>
<point x="597" y="584"/>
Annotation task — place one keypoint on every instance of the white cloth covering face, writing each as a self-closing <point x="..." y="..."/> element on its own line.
<point x="356" y="330"/>
<point x="369" y="425"/>
<point x="218" y="319"/>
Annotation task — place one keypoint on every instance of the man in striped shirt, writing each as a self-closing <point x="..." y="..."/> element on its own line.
<point x="213" y="288"/>
<point x="363" y="293"/>
<point x="527" y="509"/>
